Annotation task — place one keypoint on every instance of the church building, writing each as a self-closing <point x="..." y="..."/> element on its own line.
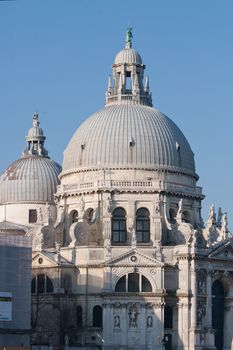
<point x="121" y="256"/>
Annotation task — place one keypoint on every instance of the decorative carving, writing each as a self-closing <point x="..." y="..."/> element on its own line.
<point x="57" y="247"/>
<point x="134" y="239"/>
<point x="157" y="250"/>
<point x="134" y="340"/>
<point x="95" y="255"/>
<point x="116" y="271"/>
<point x="117" y="305"/>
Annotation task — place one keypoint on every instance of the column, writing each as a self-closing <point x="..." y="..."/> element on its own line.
<point x="210" y="339"/>
<point x="107" y="323"/>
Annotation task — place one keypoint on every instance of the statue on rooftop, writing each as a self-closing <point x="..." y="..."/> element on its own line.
<point x="128" y="38"/>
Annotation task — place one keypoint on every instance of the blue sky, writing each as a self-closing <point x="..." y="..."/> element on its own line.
<point x="55" y="57"/>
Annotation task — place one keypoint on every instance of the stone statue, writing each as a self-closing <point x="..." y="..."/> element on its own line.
<point x="81" y="206"/>
<point x="212" y="215"/>
<point x="134" y="239"/>
<point x="107" y="246"/>
<point x="108" y="206"/>
<point x="179" y="215"/>
<point x="220" y="214"/>
<point x="117" y="321"/>
<point x="149" y="322"/>
<point x="180" y="207"/>
<point x="66" y="340"/>
<point x="40" y="217"/>
<point x="224" y="226"/>
<point x="157" y="205"/>
<point x="133" y="316"/>
<point x="128" y="38"/>
<point x="48" y="212"/>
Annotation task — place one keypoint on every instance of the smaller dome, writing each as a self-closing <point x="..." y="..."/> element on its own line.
<point x="33" y="177"/>
<point x="35" y="132"/>
<point x="128" y="55"/>
<point x="29" y="179"/>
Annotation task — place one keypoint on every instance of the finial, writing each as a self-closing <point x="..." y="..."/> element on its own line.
<point x="128" y="38"/>
<point x="35" y="120"/>
<point x="109" y="84"/>
<point x="147" y="85"/>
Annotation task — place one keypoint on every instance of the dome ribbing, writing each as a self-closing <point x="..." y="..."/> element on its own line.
<point x="128" y="136"/>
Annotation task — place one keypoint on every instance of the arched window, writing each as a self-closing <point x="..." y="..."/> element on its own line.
<point x="143" y="225"/>
<point x="133" y="282"/>
<point x="218" y="313"/>
<point x="168" y="317"/>
<point x="172" y="215"/>
<point x="73" y="217"/>
<point x="67" y="282"/>
<point x="79" y="316"/>
<point x="186" y="217"/>
<point x="89" y="215"/>
<point x="97" y="316"/>
<point x="119" y="226"/>
<point x="41" y="284"/>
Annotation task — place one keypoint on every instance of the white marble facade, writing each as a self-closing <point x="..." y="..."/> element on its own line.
<point x="122" y="258"/>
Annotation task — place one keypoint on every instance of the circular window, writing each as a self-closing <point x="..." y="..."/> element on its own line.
<point x="133" y="258"/>
<point x="40" y="260"/>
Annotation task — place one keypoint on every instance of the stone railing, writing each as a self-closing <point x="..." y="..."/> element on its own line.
<point x="144" y="99"/>
<point x="121" y="185"/>
<point x="181" y="188"/>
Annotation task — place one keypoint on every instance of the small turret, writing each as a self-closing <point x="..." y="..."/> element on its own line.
<point x="35" y="139"/>
<point x="127" y="72"/>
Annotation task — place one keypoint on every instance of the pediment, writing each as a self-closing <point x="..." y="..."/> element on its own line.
<point x="223" y="252"/>
<point x="41" y="260"/>
<point x="134" y="257"/>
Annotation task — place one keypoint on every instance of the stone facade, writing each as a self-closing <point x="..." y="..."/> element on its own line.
<point x="122" y="258"/>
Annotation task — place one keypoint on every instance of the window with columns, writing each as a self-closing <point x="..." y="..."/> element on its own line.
<point x="133" y="282"/>
<point x="41" y="284"/>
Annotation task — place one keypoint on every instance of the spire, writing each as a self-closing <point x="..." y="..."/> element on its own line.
<point x="147" y="85"/>
<point x="35" y="139"/>
<point x="128" y="38"/>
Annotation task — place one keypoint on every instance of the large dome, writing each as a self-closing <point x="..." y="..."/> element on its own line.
<point x="128" y="136"/>
<point x="128" y="133"/>
<point x="29" y="179"/>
